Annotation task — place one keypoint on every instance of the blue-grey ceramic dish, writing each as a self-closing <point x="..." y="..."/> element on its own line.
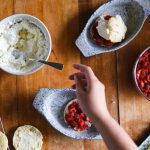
<point x="145" y="144"/>
<point x="51" y="104"/>
<point x="132" y="12"/>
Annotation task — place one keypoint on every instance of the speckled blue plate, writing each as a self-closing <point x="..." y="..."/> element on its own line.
<point x="51" y="104"/>
<point x="145" y="144"/>
<point x="134" y="13"/>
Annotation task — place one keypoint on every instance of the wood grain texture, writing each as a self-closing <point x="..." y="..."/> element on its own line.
<point x="103" y="65"/>
<point x="133" y="108"/>
<point x="8" y="91"/>
<point x="65" y="19"/>
<point x="58" y="20"/>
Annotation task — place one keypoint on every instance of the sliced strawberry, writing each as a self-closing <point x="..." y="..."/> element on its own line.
<point x="99" y="41"/>
<point x="141" y="83"/>
<point x="76" y="118"/>
<point x="138" y="72"/>
<point x="107" y="17"/>
<point x="87" y="119"/>
<point x="68" y="118"/>
<point x="82" y="115"/>
<point x="71" y="110"/>
<point x="81" y="122"/>
<point x="73" y="124"/>
<point x="148" y="77"/>
<point x="108" y="43"/>
<point x="95" y="35"/>
<point x="143" y="73"/>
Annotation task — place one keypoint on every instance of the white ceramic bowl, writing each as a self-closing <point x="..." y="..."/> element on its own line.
<point x="36" y="66"/>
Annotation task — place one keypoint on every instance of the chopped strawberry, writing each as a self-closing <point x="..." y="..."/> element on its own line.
<point x="82" y="115"/>
<point x="76" y="118"/>
<point x="108" y="43"/>
<point x="72" y="110"/>
<point x="107" y="17"/>
<point x="99" y="41"/>
<point x="97" y="38"/>
<point x="143" y="73"/>
<point x="148" y="77"/>
<point x="81" y="122"/>
<point x="141" y="83"/>
<point x="87" y="119"/>
<point x="138" y="73"/>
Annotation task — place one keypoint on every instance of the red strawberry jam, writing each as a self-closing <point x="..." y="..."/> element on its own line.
<point x="75" y="118"/>
<point x="143" y="73"/>
<point x="97" y="38"/>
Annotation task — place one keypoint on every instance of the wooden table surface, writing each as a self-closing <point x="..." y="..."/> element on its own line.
<point x="65" y="19"/>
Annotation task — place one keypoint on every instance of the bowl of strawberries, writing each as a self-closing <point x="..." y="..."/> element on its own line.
<point x="141" y="73"/>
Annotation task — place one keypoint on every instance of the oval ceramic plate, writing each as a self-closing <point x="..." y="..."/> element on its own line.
<point x="145" y="144"/>
<point x="131" y="12"/>
<point x="51" y="104"/>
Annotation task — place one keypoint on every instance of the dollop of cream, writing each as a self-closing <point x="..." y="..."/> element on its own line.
<point x="113" y="29"/>
<point x="24" y="37"/>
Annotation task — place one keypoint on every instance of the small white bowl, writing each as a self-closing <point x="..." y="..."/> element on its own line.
<point x="36" y="66"/>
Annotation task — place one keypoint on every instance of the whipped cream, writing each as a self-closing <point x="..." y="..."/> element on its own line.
<point x="24" y="37"/>
<point x="113" y="29"/>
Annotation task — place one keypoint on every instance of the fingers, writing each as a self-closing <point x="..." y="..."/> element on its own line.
<point x="86" y="70"/>
<point x="74" y="86"/>
<point x="79" y="74"/>
<point x="83" y="79"/>
<point x="84" y="84"/>
<point x="78" y="84"/>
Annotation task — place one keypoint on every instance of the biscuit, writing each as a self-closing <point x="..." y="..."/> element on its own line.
<point x="3" y="141"/>
<point x="27" y="137"/>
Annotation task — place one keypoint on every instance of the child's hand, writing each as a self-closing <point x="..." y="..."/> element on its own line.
<point x="91" y="98"/>
<point x="90" y="92"/>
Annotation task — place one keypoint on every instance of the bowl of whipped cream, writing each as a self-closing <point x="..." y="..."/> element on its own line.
<point x="22" y="37"/>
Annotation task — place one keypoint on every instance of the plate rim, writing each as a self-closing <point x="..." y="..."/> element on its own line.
<point x="51" y="122"/>
<point x="144" y="143"/>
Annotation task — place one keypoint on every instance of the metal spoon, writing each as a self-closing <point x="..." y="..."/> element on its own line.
<point x="17" y="54"/>
<point x="52" y="64"/>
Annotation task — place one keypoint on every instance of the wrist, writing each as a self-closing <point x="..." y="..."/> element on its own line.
<point x="102" y="117"/>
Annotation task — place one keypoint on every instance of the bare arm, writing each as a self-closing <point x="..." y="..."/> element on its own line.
<point x="91" y="97"/>
<point x="114" y="136"/>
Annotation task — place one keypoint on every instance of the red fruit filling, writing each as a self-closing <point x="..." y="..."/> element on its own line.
<point x="76" y="118"/>
<point x="98" y="39"/>
<point x="143" y="73"/>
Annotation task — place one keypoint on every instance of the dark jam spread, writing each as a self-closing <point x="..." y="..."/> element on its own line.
<point x="97" y="38"/>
